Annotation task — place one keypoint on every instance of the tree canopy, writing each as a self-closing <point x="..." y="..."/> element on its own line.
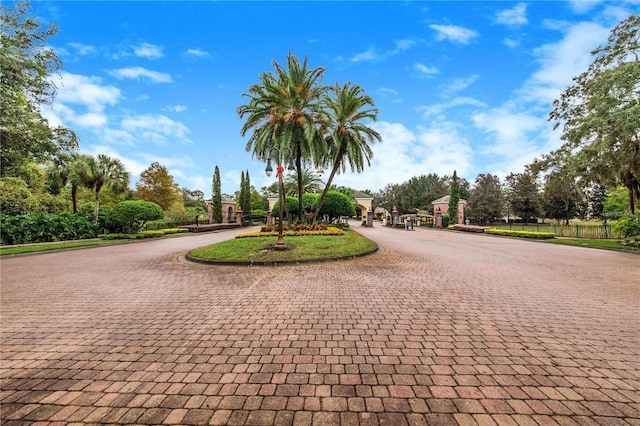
<point x="157" y="186"/>
<point x="600" y="117"/>
<point x="27" y="64"/>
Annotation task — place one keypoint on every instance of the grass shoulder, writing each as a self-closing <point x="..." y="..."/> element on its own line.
<point x="594" y="243"/>
<point x="300" y="248"/>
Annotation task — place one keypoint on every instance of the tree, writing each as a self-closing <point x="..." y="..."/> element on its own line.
<point x="216" y="196"/>
<point x="104" y="171"/>
<point x="523" y="196"/>
<point x="349" y="136"/>
<point x="193" y="199"/>
<point x="246" y="195"/>
<point x="311" y="183"/>
<point x="600" y="116"/>
<point x="485" y="199"/>
<point x="157" y="186"/>
<point x="337" y="204"/>
<point x="595" y="195"/>
<point x="68" y="170"/>
<point x="26" y="65"/>
<point x="285" y="111"/>
<point x="454" y="198"/>
<point x="560" y="197"/>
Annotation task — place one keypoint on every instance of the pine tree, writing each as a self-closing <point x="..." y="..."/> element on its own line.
<point x="246" y="195"/>
<point x="216" y="197"/>
<point x="454" y="199"/>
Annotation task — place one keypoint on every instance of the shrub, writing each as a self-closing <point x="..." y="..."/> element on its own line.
<point x="42" y="227"/>
<point x="445" y="220"/>
<point x="628" y="225"/>
<point x="130" y="216"/>
<point x="301" y="229"/>
<point x="521" y="234"/>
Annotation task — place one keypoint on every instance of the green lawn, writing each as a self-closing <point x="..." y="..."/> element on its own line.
<point x="300" y="248"/>
<point x="34" y="248"/>
<point x="584" y="242"/>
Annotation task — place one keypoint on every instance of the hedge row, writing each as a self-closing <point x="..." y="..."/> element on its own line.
<point x="143" y="234"/>
<point x="521" y="234"/>
<point x="330" y="230"/>
<point x="44" y="228"/>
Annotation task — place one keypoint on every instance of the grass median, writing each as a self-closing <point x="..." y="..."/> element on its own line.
<point x="299" y="249"/>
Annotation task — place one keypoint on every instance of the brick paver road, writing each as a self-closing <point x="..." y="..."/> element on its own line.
<point x="440" y="328"/>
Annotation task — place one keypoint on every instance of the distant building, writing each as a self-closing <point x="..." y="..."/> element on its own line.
<point x="441" y="206"/>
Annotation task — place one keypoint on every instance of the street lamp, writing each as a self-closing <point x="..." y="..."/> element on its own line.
<point x="280" y="245"/>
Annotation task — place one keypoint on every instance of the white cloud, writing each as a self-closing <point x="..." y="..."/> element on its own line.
<point x="371" y="55"/>
<point x="80" y="49"/>
<point x="148" y="50"/>
<point x="583" y="6"/>
<point x="197" y="54"/>
<point x="513" y="17"/>
<point x="453" y="33"/>
<point x="88" y="91"/>
<point x="177" y="108"/>
<point x="509" y="42"/>
<point x="158" y="129"/>
<point x="405" y="153"/>
<point x="510" y="130"/>
<point x="140" y="72"/>
<point x="436" y="110"/>
<point x="561" y="61"/>
<point x="424" y="70"/>
<point x="458" y="84"/>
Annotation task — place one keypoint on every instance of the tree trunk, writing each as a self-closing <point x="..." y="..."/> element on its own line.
<point x="95" y="214"/>
<point x="632" y="207"/>
<point x="336" y="165"/>
<point x="74" y="199"/>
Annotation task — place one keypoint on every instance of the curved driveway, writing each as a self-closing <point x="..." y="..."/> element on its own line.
<point x="440" y="328"/>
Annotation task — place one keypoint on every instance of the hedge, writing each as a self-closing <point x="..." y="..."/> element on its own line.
<point x="521" y="234"/>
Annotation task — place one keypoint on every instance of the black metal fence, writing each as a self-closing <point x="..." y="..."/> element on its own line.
<point x="601" y="232"/>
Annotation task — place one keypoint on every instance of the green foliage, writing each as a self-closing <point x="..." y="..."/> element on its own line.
<point x="417" y="192"/>
<point x="485" y="199"/>
<point x="216" y="197"/>
<point x="43" y="227"/>
<point x="454" y="198"/>
<point x="291" y="203"/>
<point x="27" y="63"/>
<point x="337" y="204"/>
<point x="616" y="202"/>
<point x="560" y="197"/>
<point x="628" y="225"/>
<point x="157" y="186"/>
<point x="130" y="216"/>
<point x="600" y="116"/>
<point x="446" y="220"/>
<point x="521" y="234"/>
<point x="193" y="199"/>
<point x="16" y="197"/>
<point x="523" y="196"/>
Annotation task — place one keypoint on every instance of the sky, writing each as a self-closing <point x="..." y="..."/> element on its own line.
<point x="459" y="85"/>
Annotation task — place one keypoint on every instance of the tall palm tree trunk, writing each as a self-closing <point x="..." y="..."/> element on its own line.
<point x="74" y="198"/>
<point x="334" y="170"/>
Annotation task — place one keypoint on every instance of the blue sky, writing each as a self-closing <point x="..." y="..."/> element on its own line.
<point x="463" y="86"/>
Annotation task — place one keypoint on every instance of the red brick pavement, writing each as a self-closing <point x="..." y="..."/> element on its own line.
<point x="440" y="328"/>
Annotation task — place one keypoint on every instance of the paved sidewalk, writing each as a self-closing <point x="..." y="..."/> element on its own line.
<point x="441" y="328"/>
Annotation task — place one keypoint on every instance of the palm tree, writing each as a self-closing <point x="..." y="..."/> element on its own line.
<point x="285" y="111"/>
<point x="348" y="138"/>
<point x="311" y="183"/>
<point x="67" y="169"/>
<point x="104" y="171"/>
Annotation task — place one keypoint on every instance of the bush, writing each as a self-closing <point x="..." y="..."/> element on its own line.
<point x="42" y="228"/>
<point x="628" y="225"/>
<point x="445" y="220"/>
<point x="521" y="234"/>
<point x="130" y="216"/>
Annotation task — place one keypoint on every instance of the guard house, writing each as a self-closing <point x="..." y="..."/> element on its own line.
<point x="441" y="206"/>
<point x="228" y="210"/>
